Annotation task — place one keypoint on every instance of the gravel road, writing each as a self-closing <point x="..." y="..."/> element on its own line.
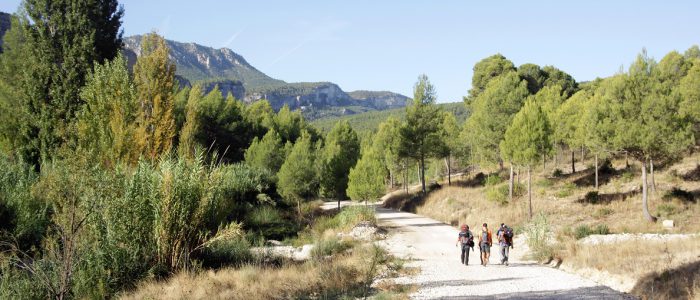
<point x="431" y="246"/>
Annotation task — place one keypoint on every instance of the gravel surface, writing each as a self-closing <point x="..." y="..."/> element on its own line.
<point x="431" y="246"/>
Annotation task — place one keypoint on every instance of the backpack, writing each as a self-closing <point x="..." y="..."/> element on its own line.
<point x="508" y="233"/>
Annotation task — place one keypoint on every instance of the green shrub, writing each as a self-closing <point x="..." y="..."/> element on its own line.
<point x="627" y="176"/>
<point x="566" y="190"/>
<point x="351" y="215"/>
<point x="538" y="234"/>
<point x="680" y="194"/>
<point x="583" y="231"/>
<point x="666" y="210"/>
<point x="557" y="173"/>
<point x="499" y="193"/>
<point x="229" y="252"/>
<point x="545" y="182"/>
<point x="591" y="197"/>
<point x="493" y="179"/>
<point x="329" y="246"/>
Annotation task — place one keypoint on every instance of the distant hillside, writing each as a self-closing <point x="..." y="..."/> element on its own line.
<point x="369" y="121"/>
<point x="233" y="74"/>
<point x="196" y="62"/>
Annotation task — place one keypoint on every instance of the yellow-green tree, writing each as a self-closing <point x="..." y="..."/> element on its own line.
<point x="154" y="76"/>
<point x="106" y="121"/>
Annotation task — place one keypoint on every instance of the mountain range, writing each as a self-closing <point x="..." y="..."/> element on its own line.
<point x="232" y="74"/>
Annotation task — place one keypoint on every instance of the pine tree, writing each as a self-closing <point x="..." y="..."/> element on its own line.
<point x="421" y="134"/>
<point x="366" y="179"/>
<point x="492" y="113"/>
<point x="297" y="178"/>
<point x="223" y="129"/>
<point x="387" y="142"/>
<point x="267" y="152"/>
<point x="154" y="76"/>
<point x="527" y="140"/>
<point x="450" y="144"/>
<point x="340" y="153"/>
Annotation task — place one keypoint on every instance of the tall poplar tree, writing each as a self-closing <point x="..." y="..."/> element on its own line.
<point x="55" y="44"/>
<point x="154" y="76"/>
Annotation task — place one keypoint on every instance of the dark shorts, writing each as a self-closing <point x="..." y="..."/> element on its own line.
<point x="485" y="248"/>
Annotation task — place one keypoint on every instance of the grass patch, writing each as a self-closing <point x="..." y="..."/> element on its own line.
<point x="602" y="212"/>
<point x="544" y="183"/>
<point x="666" y="210"/>
<point x="566" y="190"/>
<point x="583" y="231"/>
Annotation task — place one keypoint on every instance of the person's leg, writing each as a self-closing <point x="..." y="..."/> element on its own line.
<point x="466" y="256"/>
<point x="507" y="254"/>
<point x="462" y="257"/>
<point x="503" y="254"/>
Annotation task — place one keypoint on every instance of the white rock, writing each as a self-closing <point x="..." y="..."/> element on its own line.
<point x="668" y="223"/>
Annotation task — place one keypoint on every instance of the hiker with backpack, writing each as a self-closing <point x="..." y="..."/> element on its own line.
<point x="505" y="240"/>
<point x="485" y="242"/>
<point x="466" y="240"/>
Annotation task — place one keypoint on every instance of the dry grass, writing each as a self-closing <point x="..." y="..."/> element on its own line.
<point x="634" y="258"/>
<point x="341" y="275"/>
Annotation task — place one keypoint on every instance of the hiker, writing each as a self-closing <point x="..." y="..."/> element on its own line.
<point x="485" y="242"/>
<point x="505" y="240"/>
<point x="466" y="240"/>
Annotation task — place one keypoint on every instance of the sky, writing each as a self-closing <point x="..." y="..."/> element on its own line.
<point x="386" y="45"/>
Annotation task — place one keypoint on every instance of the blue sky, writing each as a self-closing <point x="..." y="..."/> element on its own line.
<point x="385" y="45"/>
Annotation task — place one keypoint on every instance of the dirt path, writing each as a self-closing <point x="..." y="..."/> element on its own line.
<point x="431" y="246"/>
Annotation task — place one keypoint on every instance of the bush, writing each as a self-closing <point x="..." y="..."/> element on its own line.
<point x="351" y="215"/>
<point x="230" y="252"/>
<point x="627" y="176"/>
<point x="499" y="194"/>
<point x="680" y="194"/>
<point x="493" y="179"/>
<point x="544" y="183"/>
<point x="566" y="191"/>
<point x="666" y="210"/>
<point x="591" y="197"/>
<point x="557" y="173"/>
<point x="329" y="246"/>
<point x="538" y="234"/>
<point x="583" y="231"/>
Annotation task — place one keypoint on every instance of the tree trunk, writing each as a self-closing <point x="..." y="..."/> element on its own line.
<point x="645" y="204"/>
<point x="338" y="204"/>
<point x="573" y="162"/>
<point x="517" y="175"/>
<point x="653" y="182"/>
<point x="596" y="171"/>
<point x="583" y="153"/>
<point x="449" y="171"/>
<point x="422" y="173"/>
<point x="510" y="184"/>
<point x="529" y="191"/>
<point x="391" y="179"/>
<point x="544" y="163"/>
<point x="627" y="160"/>
<point x="405" y="178"/>
<point x="555" y="158"/>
